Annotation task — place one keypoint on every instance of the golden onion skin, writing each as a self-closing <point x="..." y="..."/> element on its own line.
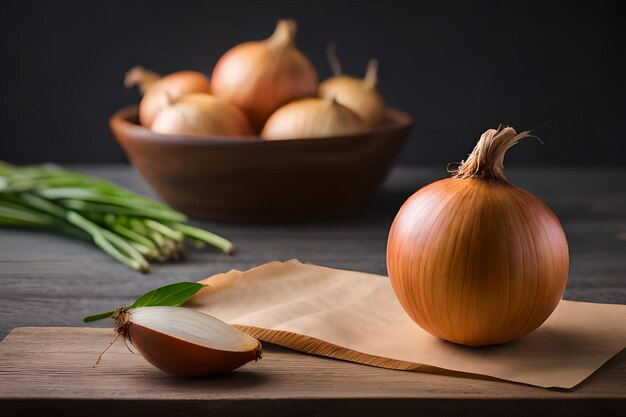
<point x="202" y="115"/>
<point x="356" y="95"/>
<point x="260" y="76"/>
<point x="310" y="118"/>
<point x="170" y="89"/>
<point x="477" y="261"/>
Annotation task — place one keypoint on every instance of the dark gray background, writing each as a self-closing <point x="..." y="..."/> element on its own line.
<point x="458" y="67"/>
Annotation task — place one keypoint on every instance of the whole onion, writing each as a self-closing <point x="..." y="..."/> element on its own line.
<point x="261" y="76"/>
<point x="168" y="89"/>
<point x="358" y="94"/>
<point x="201" y="115"/>
<point x="312" y="118"/>
<point x="474" y="259"/>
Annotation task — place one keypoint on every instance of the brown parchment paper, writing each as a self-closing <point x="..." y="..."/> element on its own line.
<point x="355" y="316"/>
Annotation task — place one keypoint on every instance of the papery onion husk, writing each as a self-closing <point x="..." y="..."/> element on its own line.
<point x="202" y="115"/>
<point x="141" y="77"/>
<point x="474" y="259"/>
<point x="186" y="342"/>
<point x="170" y="89"/>
<point x="259" y="77"/>
<point x="312" y="118"/>
<point x="358" y="94"/>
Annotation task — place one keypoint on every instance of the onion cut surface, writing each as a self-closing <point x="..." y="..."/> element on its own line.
<point x="187" y="342"/>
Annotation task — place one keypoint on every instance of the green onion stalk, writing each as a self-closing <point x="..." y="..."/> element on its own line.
<point x="130" y="228"/>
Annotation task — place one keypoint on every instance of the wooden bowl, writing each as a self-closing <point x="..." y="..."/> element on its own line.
<point x="255" y="180"/>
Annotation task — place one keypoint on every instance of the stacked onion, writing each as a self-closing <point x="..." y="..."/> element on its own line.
<point x="268" y="88"/>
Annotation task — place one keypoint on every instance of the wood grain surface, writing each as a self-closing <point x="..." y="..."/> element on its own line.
<point x="50" y="280"/>
<point x="52" y="370"/>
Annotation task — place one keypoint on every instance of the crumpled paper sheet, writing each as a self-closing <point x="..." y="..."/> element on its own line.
<point x="355" y="316"/>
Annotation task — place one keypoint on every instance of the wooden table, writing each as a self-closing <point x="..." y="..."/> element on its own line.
<point x="48" y="280"/>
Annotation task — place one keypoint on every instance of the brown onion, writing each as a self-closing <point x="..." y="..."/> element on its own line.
<point x="312" y="118"/>
<point x="169" y="89"/>
<point x="201" y="115"/>
<point x="358" y="94"/>
<point x="186" y="342"/>
<point x="259" y="77"/>
<point x="474" y="259"/>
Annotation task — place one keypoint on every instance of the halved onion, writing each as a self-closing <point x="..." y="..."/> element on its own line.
<point x="186" y="342"/>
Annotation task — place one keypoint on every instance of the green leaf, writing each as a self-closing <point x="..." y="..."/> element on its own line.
<point x="99" y="316"/>
<point x="169" y="295"/>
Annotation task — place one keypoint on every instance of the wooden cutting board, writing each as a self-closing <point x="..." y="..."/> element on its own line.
<point x="49" y="371"/>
